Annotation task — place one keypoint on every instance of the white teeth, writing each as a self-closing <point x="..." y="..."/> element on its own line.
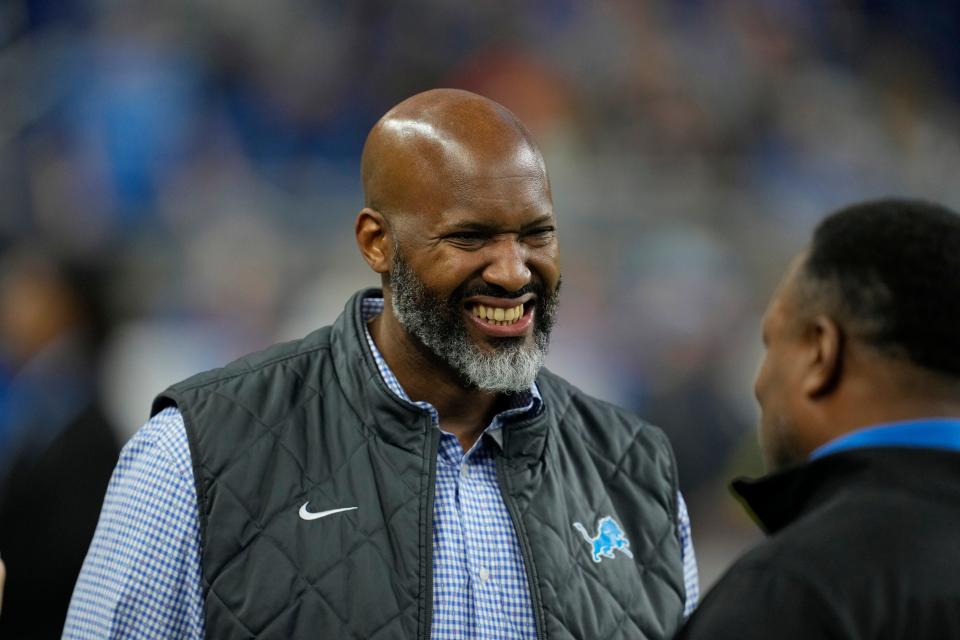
<point x="498" y="314"/>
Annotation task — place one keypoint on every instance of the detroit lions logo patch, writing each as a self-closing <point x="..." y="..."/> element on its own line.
<point x="609" y="538"/>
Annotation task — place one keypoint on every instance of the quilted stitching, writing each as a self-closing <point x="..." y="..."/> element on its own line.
<point x="579" y="561"/>
<point x="638" y="448"/>
<point x="223" y="475"/>
<point x="364" y="544"/>
<point x="628" y="457"/>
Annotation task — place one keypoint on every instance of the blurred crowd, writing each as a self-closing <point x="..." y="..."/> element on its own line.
<point x="178" y="182"/>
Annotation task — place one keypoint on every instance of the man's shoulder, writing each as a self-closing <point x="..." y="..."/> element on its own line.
<point x="855" y="532"/>
<point x="765" y="595"/>
<point x="567" y="399"/>
<point x="843" y="565"/>
<point x="876" y="524"/>
<point x="283" y="354"/>
<point x="294" y="355"/>
<point x="597" y="420"/>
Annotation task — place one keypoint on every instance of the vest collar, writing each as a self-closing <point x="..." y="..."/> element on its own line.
<point x="395" y="421"/>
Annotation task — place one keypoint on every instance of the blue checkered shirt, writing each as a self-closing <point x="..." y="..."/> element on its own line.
<point x="141" y="576"/>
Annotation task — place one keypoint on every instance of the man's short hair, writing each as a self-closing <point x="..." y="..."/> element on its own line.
<point x="890" y="269"/>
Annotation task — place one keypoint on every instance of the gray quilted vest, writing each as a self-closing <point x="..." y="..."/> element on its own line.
<point x="312" y="421"/>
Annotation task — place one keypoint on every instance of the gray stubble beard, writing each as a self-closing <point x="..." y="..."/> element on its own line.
<point x="511" y="367"/>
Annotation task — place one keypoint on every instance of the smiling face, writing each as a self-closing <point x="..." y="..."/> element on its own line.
<point x="459" y="218"/>
<point x="479" y="287"/>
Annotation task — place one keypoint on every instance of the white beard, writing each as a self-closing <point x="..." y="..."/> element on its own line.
<point x="511" y="367"/>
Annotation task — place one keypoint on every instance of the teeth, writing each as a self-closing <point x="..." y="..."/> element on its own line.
<point x="497" y="315"/>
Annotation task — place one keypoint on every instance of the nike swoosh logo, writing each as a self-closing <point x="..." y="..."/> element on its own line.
<point x="307" y="515"/>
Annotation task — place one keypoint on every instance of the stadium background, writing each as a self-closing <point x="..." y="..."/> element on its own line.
<point x="198" y="161"/>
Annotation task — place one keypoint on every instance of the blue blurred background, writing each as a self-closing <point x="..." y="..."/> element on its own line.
<point x="178" y="183"/>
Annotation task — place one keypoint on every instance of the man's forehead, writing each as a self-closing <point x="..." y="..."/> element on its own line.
<point x="468" y="189"/>
<point x="783" y="302"/>
<point x="787" y="287"/>
<point x="469" y="169"/>
<point x="505" y="214"/>
<point x="773" y="312"/>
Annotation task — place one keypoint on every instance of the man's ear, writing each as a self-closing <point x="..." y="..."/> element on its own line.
<point x="826" y="362"/>
<point x="373" y="238"/>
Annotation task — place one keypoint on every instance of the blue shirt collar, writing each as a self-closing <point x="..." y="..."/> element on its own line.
<point x="927" y="433"/>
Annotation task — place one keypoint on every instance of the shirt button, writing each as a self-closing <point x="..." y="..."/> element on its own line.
<point x="484" y="574"/>
<point x="464" y="470"/>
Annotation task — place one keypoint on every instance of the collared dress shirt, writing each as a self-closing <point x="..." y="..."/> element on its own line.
<point x="142" y="576"/>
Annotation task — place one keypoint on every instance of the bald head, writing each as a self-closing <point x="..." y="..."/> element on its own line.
<point x="441" y="145"/>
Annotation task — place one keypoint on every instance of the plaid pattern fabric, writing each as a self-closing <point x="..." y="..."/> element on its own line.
<point x="479" y="581"/>
<point x="141" y="576"/>
<point x="691" y="577"/>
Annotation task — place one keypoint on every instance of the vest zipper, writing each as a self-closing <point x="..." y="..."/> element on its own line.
<point x="525" y="553"/>
<point x="427" y="528"/>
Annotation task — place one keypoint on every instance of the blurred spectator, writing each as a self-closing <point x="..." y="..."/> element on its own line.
<point x="56" y="448"/>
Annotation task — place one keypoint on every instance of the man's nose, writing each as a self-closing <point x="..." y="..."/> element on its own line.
<point x="507" y="267"/>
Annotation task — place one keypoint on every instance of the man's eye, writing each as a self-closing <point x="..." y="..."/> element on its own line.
<point x="543" y="234"/>
<point x="466" y="237"/>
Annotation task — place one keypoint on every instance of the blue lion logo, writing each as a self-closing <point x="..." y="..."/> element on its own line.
<point x="609" y="538"/>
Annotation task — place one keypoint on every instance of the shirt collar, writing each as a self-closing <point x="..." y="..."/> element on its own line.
<point x="522" y="404"/>
<point x="927" y="433"/>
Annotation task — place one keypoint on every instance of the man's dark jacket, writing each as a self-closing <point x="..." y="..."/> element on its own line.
<point x="313" y="422"/>
<point x="863" y="544"/>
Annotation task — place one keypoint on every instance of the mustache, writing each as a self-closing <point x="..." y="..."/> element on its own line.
<point x="491" y="290"/>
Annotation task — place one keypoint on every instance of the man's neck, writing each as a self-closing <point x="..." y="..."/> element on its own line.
<point x="871" y="408"/>
<point x="465" y="412"/>
<point x="877" y="389"/>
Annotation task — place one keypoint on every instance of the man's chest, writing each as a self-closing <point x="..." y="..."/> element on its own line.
<point x="480" y="584"/>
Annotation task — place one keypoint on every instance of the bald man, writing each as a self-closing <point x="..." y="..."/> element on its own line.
<point x="410" y="471"/>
